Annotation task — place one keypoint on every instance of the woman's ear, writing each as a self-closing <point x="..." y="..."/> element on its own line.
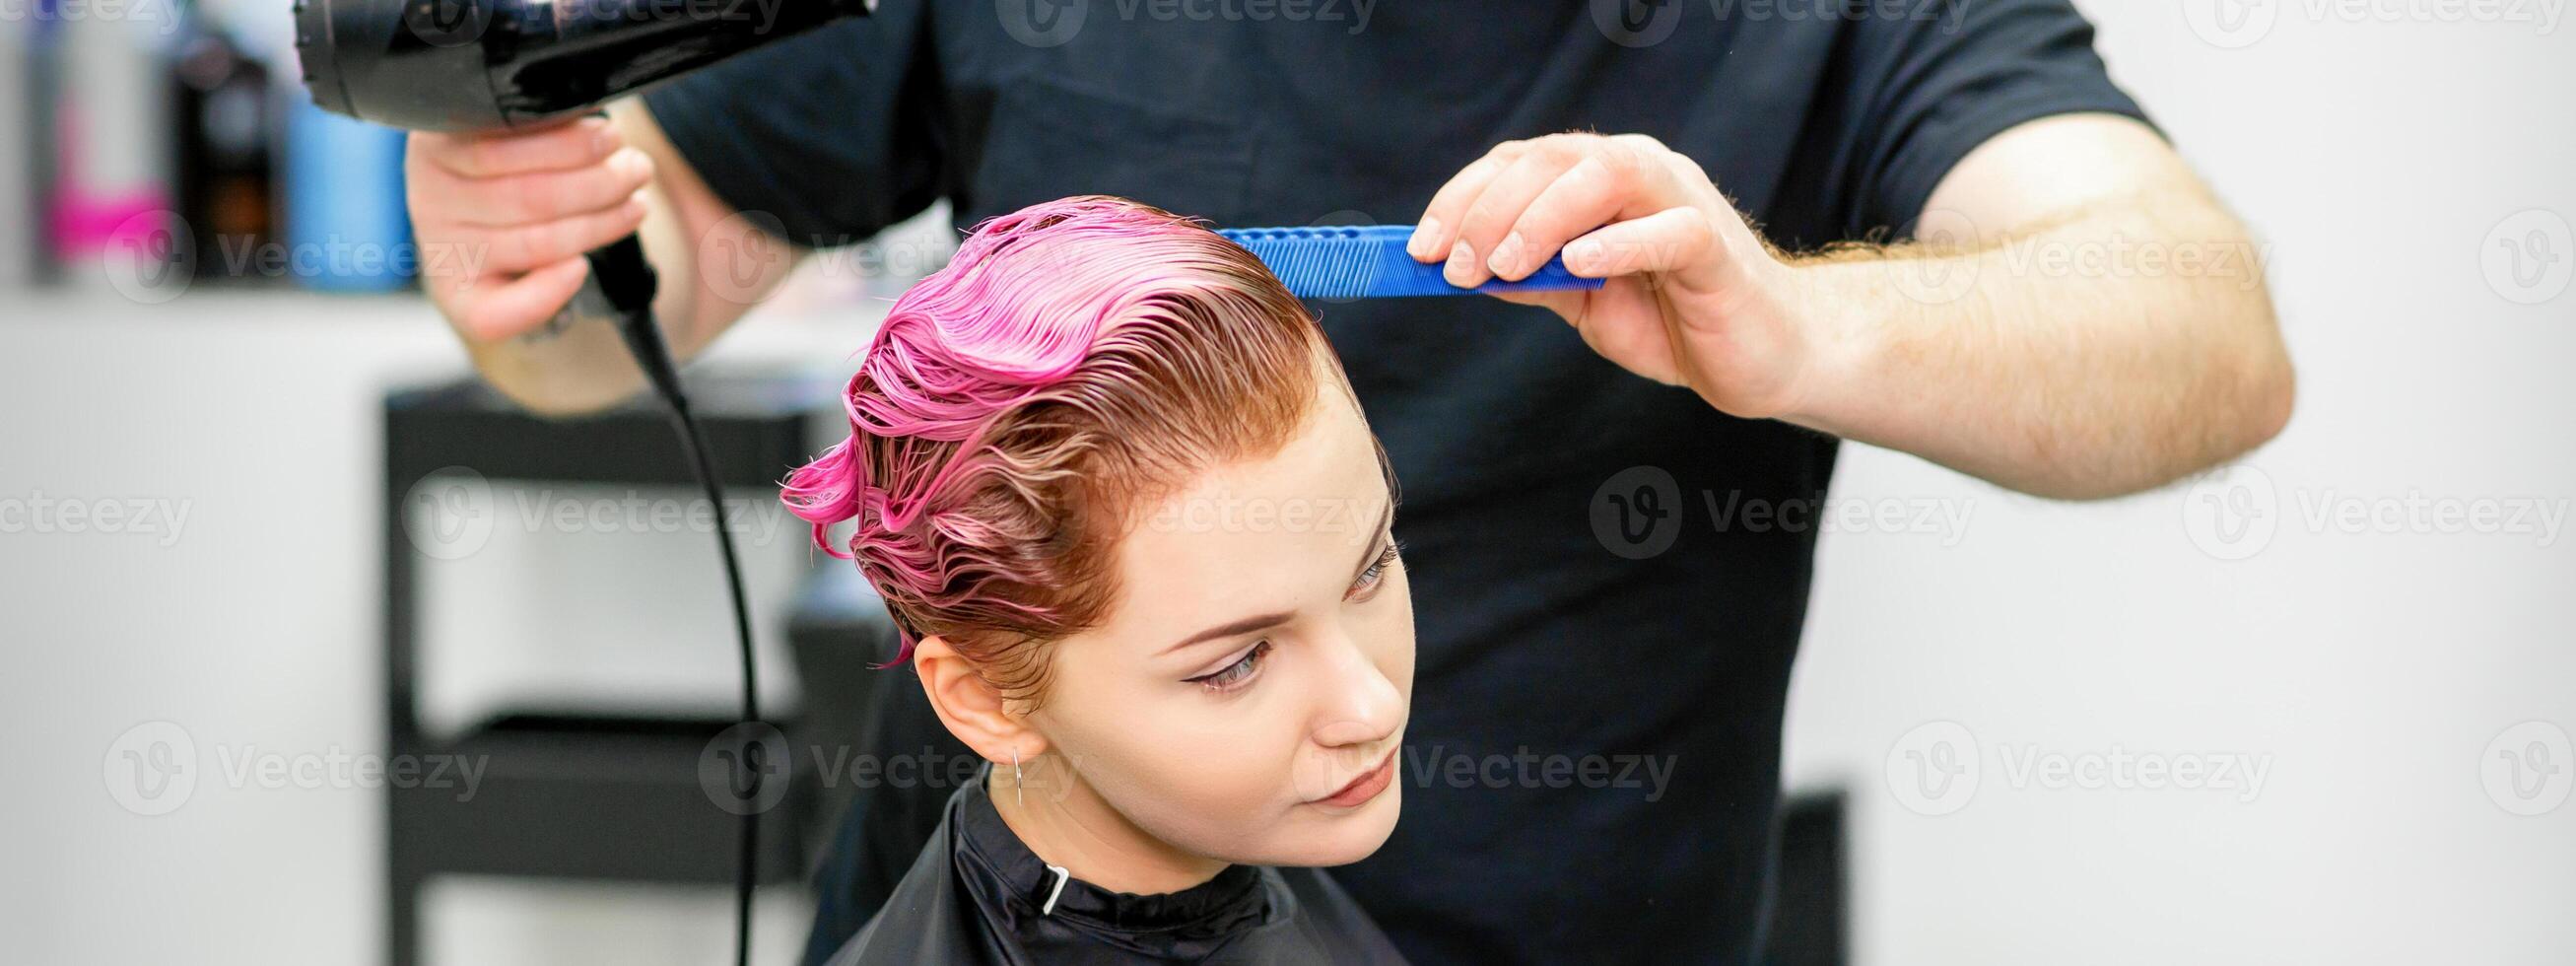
<point x="971" y="707"/>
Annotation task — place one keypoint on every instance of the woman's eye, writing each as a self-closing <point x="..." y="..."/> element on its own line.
<point x="1375" y="574"/>
<point x="1237" y="674"/>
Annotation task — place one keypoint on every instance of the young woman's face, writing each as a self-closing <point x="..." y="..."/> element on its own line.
<point x="1245" y="698"/>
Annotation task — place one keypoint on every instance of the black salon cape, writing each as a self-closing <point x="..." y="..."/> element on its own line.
<point x="975" y="894"/>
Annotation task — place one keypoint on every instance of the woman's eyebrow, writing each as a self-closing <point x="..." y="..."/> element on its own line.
<point x="1264" y="621"/>
<point x="1244" y="626"/>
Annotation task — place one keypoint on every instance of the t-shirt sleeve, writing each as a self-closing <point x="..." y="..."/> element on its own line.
<point x="833" y="134"/>
<point x="1923" y="90"/>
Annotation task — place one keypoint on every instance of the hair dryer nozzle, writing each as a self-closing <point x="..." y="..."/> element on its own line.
<point x="419" y="65"/>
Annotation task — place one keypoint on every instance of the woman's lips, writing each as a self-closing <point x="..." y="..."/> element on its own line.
<point x="1365" y="787"/>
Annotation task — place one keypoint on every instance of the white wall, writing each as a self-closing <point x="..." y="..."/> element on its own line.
<point x="2369" y="671"/>
<point x="255" y="630"/>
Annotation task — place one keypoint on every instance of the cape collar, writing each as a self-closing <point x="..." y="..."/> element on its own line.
<point x="1236" y="899"/>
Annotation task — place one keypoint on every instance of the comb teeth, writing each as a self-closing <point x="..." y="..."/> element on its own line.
<point x="1344" y="262"/>
<point x="1315" y="263"/>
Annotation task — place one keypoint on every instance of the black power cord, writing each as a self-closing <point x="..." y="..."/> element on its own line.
<point x="625" y="280"/>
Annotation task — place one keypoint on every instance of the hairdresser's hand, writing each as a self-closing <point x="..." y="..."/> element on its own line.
<point x="1694" y="297"/>
<point x="503" y="219"/>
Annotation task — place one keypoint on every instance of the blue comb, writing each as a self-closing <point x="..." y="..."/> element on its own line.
<point x="1368" y="261"/>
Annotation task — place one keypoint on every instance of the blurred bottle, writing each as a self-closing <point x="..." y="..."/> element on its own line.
<point x="107" y="197"/>
<point x="226" y="112"/>
<point x="344" y="223"/>
<point x="347" y="229"/>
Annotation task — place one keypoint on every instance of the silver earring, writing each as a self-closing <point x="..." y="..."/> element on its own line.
<point x="1018" y="790"/>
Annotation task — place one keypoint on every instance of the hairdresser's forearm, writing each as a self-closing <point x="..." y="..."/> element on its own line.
<point x="2063" y="346"/>
<point x="2112" y="350"/>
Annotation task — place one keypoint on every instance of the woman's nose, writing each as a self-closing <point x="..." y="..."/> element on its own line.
<point x="1356" y="704"/>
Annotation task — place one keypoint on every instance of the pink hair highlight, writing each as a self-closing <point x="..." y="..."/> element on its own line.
<point x="1074" y="359"/>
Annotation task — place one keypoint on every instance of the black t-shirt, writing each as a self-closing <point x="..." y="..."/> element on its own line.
<point x="1592" y="764"/>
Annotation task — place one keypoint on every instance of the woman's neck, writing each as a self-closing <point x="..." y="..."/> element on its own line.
<point x="1061" y="819"/>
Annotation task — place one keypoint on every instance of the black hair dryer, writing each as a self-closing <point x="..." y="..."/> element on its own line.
<point x="480" y="65"/>
<point x="477" y="65"/>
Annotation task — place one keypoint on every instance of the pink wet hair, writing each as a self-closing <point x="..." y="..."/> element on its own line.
<point x="1077" y="359"/>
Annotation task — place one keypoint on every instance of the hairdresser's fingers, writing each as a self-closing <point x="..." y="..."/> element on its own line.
<point x="1616" y="178"/>
<point x="1567" y="305"/>
<point x="1621" y="321"/>
<point x="1682" y="243"/>
<point x="1625" y="323"/>
<point x="532" y="246"/>
<point x="1438" y="227"/>
<point x="525" y="199"/>
<point x="1485" y="230"/>
<point x="486" y="155"/>
<point x="492" y="310"/>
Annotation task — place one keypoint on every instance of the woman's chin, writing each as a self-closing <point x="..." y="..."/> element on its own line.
<point x="1340" y="837"/>
<point x="1369" y="829"/>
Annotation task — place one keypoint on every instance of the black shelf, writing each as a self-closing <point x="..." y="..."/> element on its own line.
<point x="597" y="797"/>
<point x="614" y="799"/>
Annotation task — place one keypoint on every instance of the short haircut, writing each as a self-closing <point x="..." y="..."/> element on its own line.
<point x="1076" y="360"/>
